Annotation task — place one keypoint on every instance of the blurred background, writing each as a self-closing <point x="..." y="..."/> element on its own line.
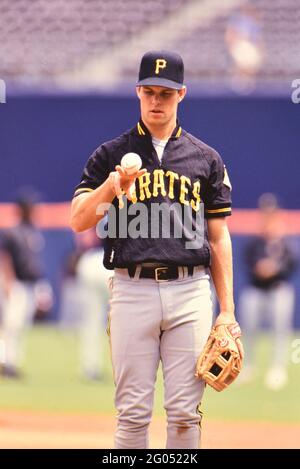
<point x="67" y="83"/>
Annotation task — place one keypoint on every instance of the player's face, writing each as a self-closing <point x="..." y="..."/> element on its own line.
<point x="159" y="104"/>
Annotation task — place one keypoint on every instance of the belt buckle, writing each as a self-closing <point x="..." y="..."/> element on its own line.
<point x="157" y="274"/>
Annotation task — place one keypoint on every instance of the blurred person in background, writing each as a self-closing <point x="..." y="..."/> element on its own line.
<point x="85" y="301"/>
<point x="244" y="41"/>
<point x="23" y="287"/>
<point x="269" y="296"/>
<point x="70" y="308"/>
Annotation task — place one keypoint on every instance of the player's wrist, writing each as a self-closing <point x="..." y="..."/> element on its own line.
<point x="225" y="317"/>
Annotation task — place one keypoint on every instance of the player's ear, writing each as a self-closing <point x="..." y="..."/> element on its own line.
<point x="138" y="91"/>
<point x="181" y="94"/>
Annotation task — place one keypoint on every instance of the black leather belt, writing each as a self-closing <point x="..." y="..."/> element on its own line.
<point x="160" y="273"/>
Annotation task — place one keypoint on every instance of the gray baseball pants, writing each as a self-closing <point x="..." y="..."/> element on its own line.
<point x="152" y="321"/>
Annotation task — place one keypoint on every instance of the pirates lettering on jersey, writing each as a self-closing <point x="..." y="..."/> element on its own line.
<point x="166" y="184"/>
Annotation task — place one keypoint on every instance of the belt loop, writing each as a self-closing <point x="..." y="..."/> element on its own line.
<point x="137" y="272"/>
<point x="180" y="273"/>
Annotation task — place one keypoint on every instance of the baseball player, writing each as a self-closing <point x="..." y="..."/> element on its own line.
<point x="269" y="296"/>
<point x="160" y="307"/>
<point x="23" y="288"/>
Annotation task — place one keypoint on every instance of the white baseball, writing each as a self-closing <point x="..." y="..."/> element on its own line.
<point x="131" y="163"/>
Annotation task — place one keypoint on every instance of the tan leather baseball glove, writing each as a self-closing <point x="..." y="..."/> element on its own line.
<point x="221" y="359"/>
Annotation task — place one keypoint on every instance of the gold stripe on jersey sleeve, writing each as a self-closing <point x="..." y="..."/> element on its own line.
<point x="219" y="210"/>
<point x="83" y="189"/>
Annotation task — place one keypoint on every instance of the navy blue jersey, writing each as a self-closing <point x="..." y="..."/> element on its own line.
<point x="191" y="175"/>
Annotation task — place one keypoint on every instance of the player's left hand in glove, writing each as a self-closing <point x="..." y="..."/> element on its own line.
<point x="221" y="359"/>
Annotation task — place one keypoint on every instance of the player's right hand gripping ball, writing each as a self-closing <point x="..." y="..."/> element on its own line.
<point x="131" y="163"/>
<point x="220" y="361"/>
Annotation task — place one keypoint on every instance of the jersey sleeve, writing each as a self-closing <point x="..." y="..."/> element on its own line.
<point x="95" y="172"/>
<point x="217" y="201"/>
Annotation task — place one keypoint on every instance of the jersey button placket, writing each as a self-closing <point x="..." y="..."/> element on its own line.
<point x="164" y="155"/>
<point x="155" y="157"/>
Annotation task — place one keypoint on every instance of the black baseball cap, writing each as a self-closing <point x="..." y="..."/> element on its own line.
<point x="161" y="68"/>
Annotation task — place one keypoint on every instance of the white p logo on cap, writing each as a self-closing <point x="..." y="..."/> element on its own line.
<point x="160" y="64"/>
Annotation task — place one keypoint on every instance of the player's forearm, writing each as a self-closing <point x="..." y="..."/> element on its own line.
<point x="222" y="275"/>
<point x="88" y="209"/>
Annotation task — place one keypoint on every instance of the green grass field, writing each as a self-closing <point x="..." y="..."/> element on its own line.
<point x="52" y="383"/>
